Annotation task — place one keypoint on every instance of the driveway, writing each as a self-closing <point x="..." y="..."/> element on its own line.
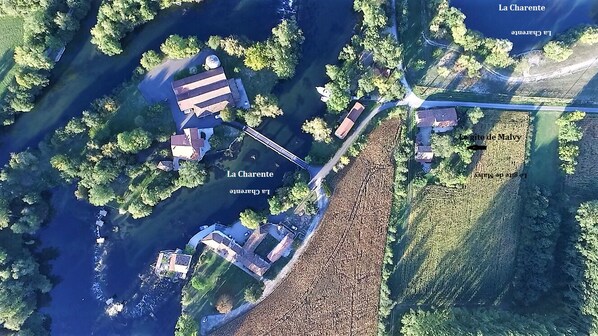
<point x="157" y="87"/>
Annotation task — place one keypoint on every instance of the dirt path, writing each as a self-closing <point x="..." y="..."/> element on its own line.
<point x="564" y="71"/>
<point x="333" y="289"/>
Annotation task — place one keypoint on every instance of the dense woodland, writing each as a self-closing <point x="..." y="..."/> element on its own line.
<point x="116" y="18"/>
<point x="48" y="27"/>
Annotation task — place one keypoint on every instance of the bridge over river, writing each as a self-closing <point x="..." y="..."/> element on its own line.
<point x="274" y="146"/>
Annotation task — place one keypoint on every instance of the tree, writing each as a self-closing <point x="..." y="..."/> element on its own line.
<point x="191" y="174"/>
<point x="480" y="321"/>
<point x="228" y="114"/>
<point x="253" y="292"/>
<point x="256" y="57"/>
<point x="557" y="51"/>
<point x="475" y="115"/>
<point x="224" y="304"/>
<point x="232" y="46"/>
<point x="138" y="209"/>
<point x="100" y="195"/>
<point x="267" y="106"/>
<point x="251" y="219"/>
<point x="186" y="326"/>
<point x="134" y="141"/>
<point x="442" y="145"/>
<point x="150" y="59"/>
<point x="319" y="129"/>
<point x="176" y="47"/>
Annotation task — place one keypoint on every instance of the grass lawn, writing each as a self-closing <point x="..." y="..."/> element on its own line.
<point x="458" y="246"/>
<point x="222" y="278"/>
<point x="543" y="167"/>
<point x="12" y="35"/>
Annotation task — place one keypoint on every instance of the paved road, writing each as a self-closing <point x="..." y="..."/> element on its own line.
<point x="324" y="171"/>
<point x="520" y="107"/>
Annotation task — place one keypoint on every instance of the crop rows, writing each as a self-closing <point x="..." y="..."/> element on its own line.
<point x="333" y="289"/>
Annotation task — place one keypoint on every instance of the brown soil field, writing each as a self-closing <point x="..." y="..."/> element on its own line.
<point x="459" y="245"/>
<point x="333" y="289"/>
<point x="582" y="185"/>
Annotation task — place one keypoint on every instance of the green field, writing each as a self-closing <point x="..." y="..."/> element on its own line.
<point x="458" y="246"/>
<point x="12" y="35"/>
<point x="543" y="167"/>
<point x="222" y="278"/>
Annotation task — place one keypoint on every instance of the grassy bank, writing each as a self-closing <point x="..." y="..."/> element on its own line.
<point x="543" y="169"/>
<point x="12" y="35"/>
<point x="220" y="277"/>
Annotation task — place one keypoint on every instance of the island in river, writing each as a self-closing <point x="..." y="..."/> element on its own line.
<point x="123" y="268"/>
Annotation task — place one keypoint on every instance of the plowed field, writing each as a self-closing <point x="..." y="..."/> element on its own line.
<point x="333" y="289"/>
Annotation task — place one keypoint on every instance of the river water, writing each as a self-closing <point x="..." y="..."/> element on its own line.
<point x="558" y="16"/>
<point x="88" y="274"/>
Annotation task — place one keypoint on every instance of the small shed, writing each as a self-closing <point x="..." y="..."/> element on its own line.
<point x="212" y="62"/>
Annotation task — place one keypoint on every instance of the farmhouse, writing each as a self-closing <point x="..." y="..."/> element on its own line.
<point x="190" y="145"/>
<point x="228" y="249"/>
<point x="173" y="263"/>
<point x="244" y="257"/>
<point x="209" y="92"/>
<point x="349" y="121"/>
<point x="441" y="120"/>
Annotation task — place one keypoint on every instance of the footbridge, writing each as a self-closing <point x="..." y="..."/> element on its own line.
<point x="259" y="137"/>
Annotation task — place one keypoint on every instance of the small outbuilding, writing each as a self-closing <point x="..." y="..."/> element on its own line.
<point x="424" y="154"/>
<point x="212" y="62"/>
<point x="347" y="124"/>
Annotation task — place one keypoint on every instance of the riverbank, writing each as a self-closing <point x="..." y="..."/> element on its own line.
<point x="132" y="252"/>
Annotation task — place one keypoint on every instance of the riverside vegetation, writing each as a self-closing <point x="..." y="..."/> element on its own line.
<point x="368" y="67"/>
<point x="47" y="28"/>
<point x="110" y="153"/>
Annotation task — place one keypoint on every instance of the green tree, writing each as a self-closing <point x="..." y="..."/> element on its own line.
<point x="100" y="195"/>
<point x="252" y="219"/>
<point x="191" y="174"/>
<point x="228" y="114"/>
<point x="214" y="42"/>
<point x="134" y="141"/>
<point x="150" y="59"/>
<point x="176" y="47"/>
<point x="319" y="129"/>
<point x="256" y="57"/>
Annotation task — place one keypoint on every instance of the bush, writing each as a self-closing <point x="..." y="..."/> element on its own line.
<point x="253" y="292"/>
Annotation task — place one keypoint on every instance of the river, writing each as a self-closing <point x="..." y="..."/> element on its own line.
<point x="558" y="16"/>
<point x="88" y="274"/>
